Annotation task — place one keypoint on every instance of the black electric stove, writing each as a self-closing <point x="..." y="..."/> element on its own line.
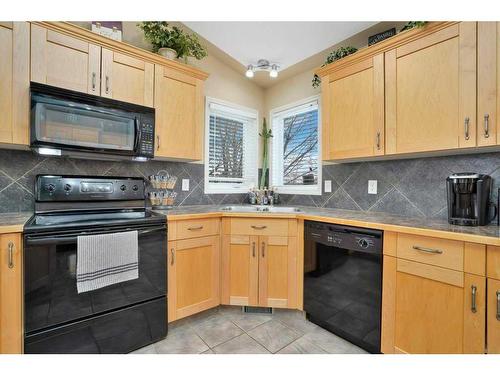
<point x="116" y="319"/>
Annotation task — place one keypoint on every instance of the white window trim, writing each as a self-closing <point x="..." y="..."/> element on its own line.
<point x="240" y="111"/>
<point x="303" y="189"/>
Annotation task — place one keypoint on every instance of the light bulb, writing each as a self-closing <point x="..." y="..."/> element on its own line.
<point x="274" y="71"/>
<point x="249" y="72"/>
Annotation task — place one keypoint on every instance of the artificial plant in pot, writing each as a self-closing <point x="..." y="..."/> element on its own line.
<point x="171" y="41"/>
<point x="266" y="134"/>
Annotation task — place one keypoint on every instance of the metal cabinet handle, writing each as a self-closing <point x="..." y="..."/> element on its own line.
<point x="263" y="249"/>
<point x="253" y="249"/>
<point x="157" y="142"/>
<point x="378" y="140"/>
<point x="486" y="126"/>
<point x="93" y="81"/>
<point x="428" y="250"/>
<point x="466" y="125"/>
<point x="473" y="299"/>
<point x="196" y="228"/>
<point x="107" y="84"/>
<point x="259" y="226"/>
<point x="498" y="304"/>
<point x="172" y="257"/>
<point x="10" y="250"/>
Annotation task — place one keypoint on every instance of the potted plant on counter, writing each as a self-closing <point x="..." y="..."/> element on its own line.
<point x="171" y="41"/>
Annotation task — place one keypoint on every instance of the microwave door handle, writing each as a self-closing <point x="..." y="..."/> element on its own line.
<point x="138" y="134"/>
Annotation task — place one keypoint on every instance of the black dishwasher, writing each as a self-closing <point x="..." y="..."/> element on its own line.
<point x="343" y="281"/>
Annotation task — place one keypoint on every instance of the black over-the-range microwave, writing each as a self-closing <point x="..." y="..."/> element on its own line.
<point x="66" y="122"/>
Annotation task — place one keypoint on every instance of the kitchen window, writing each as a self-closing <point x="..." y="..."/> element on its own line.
<point x="231" y="148"/>
<point x="296" y="165"/>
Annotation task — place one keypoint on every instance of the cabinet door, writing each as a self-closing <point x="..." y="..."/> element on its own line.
<point x="493" y="316"/>
<point x="127" y="78"/>
<point x="14" y="82"/>
<point x="193" y="276"/>
<point x="63" y="61"/>
<point x="430" y="88"/>
<point x="11" y="294"/>
<point x="277" y="271"/>
<point x="488" y="83"/>
<point x="353" y="110"/>
<point x="179" y="114"/>
<point x="240" y="270"/>
<point x="436" y="312"/>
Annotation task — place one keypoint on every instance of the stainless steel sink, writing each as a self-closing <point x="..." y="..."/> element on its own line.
<point x="271" y="209"/>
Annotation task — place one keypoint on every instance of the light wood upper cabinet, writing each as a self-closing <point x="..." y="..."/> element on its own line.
<point x="127" y="78"/>
<point x="179" y="114"/>
<point x="11" y="294"/>
<point x="193" y="276"/>
<point x="353" y="110"/>
<point x="64" y="61"/>
<point x="14" y="82"/>
<point x="488" y="83"/>
<point x="430" y="88"/>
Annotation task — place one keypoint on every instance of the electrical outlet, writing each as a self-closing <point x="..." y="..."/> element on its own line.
<point x="328" y="186"/>
<point x="185" y="184"/>
<point x="372" y="186"/>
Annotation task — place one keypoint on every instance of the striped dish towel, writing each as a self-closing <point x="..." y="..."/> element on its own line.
<point x="106" y="259"/>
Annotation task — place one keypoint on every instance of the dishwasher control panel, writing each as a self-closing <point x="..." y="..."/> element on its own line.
<point x="344" y="237"/>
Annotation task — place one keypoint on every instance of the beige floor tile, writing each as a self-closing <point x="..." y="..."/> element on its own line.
<point x="274" y="335"/>
<point x="186" y="342"/>
<point x="216" y="330"/>
<point x="302" y="346"/>
<point x="242" y="344"/>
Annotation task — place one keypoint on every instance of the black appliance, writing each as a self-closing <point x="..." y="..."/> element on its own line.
<point x="343" y="281"/>
<point x="65" y="122"/>
<point x="469" y="199"/>
<point x="115" y="319"/>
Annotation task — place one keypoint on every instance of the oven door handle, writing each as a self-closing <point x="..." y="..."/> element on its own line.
<point x="40" y="240"/>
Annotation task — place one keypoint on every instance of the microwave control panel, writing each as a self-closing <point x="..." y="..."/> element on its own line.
<point x="147" y="143"/>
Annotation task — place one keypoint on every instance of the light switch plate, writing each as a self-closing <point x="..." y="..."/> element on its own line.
<point x="328" y="186"/>
<point x="372" y="186"/>
<point x="185" y="184"/>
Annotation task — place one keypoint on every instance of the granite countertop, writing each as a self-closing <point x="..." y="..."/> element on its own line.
<point x="489" y="234"/>
<point x="13" y="222"/>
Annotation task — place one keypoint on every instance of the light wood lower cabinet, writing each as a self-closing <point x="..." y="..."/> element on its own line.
<point x="193" y="276"/>
<point x="430" y="309"/>
<point x="259" y="271"/>
<point x="11" y="317"/>
<point x="493" y="333"/>
<point x="14" y="82"/>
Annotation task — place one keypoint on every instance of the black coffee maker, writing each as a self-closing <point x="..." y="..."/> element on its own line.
<point x="469" y="199"/>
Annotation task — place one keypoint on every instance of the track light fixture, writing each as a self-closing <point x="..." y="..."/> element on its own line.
<point x="262" y="65"/>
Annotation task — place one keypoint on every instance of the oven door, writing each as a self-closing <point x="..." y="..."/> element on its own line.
<point x="50" y="293"/>
<point x="70" y="125"/>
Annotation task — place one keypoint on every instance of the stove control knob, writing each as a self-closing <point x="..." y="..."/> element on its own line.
<point x="123" y="188"/>
<point x="135" y="188"/>
<point x="67" y="187"/>
<point x="363" y="243"/>
<point x="51" y="188"/>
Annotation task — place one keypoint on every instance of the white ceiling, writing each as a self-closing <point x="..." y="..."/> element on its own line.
<point x="285" y="43"/>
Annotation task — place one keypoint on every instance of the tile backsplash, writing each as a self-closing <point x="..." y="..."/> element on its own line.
<point x="412" y="187"/>
<point x="19" y="168"/>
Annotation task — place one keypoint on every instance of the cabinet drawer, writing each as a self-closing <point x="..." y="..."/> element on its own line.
<point x="429" y="250"/>
<point x="197" y="228"/>
<point x="266" y="227"/>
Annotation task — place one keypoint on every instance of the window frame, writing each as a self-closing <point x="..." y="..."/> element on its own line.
<point x="297" y="189"/>
<point x="251" y="117"/>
